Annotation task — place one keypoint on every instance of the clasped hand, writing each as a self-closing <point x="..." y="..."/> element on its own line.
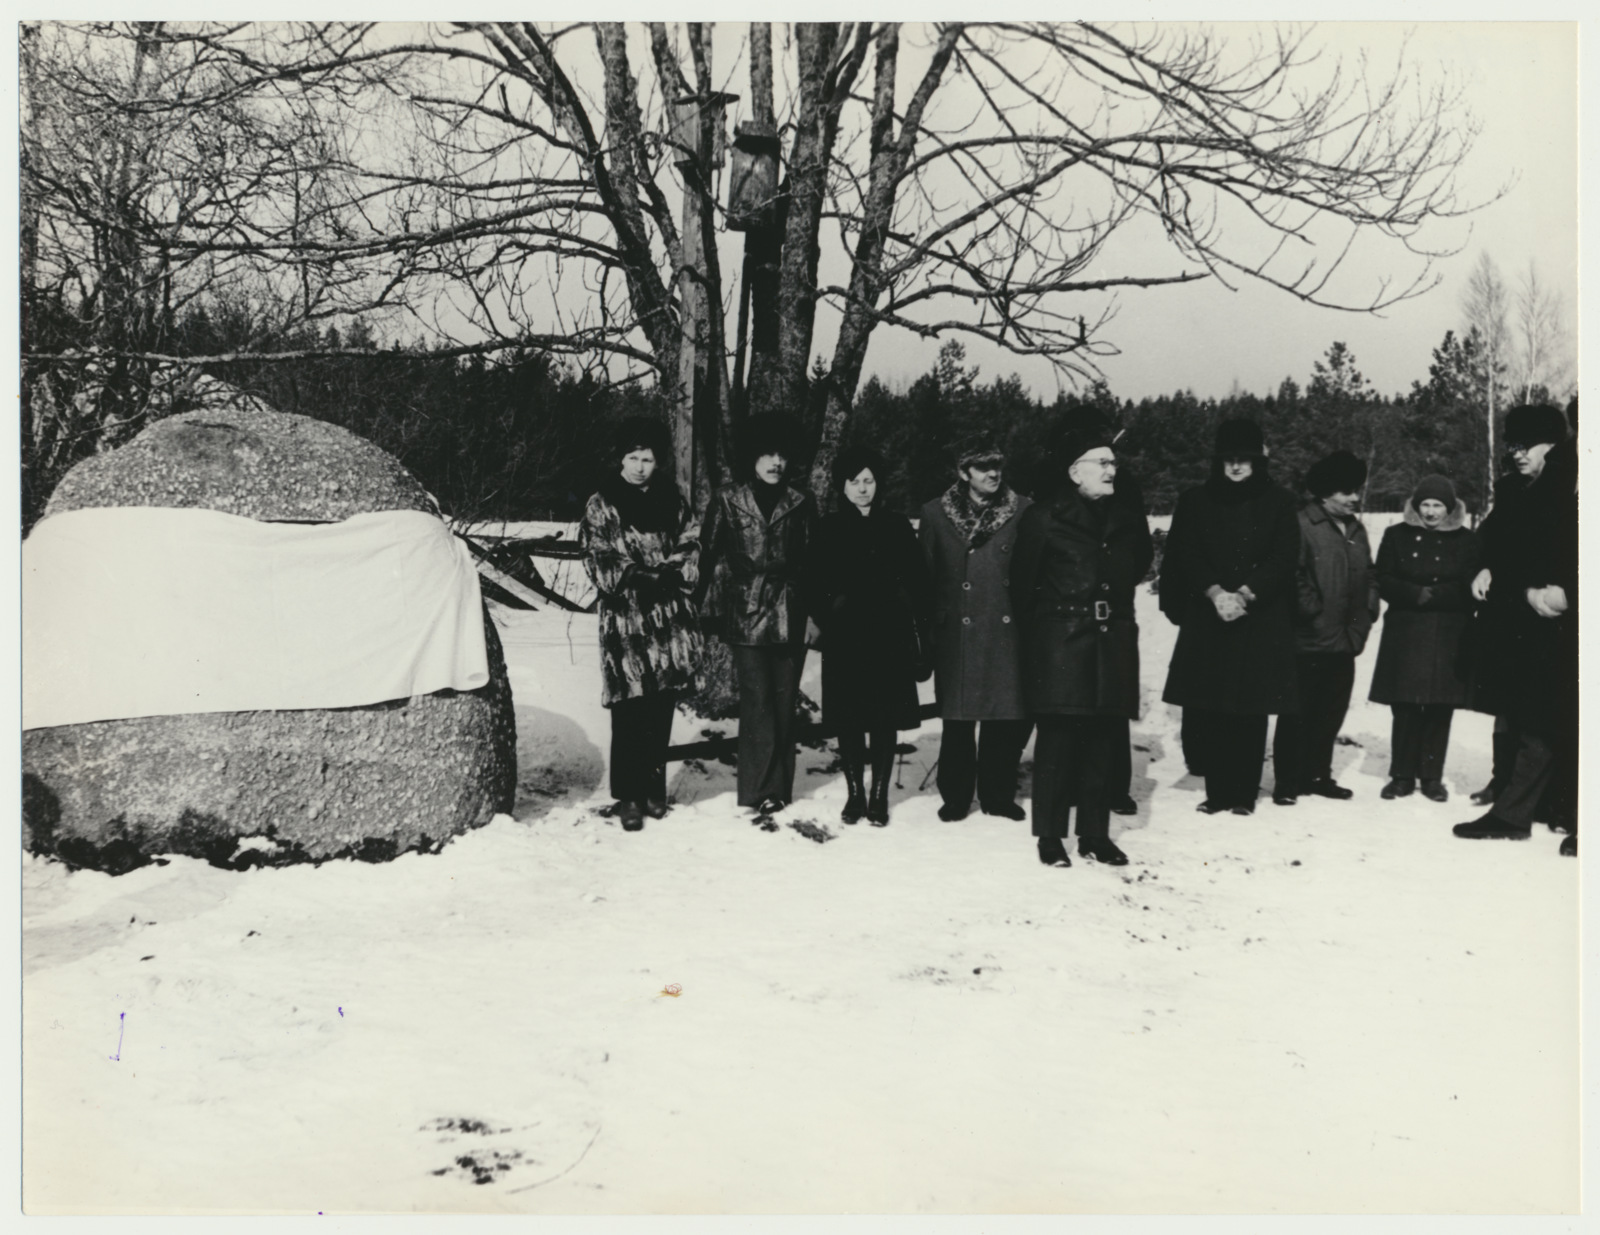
<point x="1229" y="605"/>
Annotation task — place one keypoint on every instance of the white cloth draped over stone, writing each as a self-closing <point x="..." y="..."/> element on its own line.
<point x="151" y="611"/>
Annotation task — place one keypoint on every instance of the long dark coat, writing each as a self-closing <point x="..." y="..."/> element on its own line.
<point x="1526" y="665"/>
<point x="650" y="639"/>
<point x="870" y="595"/>
<point x="1231" y="534"/>
<point x="755" y="566"/>
<point x="1425" y="577"/>
<point x="1078" y="563"/>
<point x="977" y="660"/>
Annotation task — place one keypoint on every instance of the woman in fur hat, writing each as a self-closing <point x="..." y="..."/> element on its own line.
<point x="1425" y="569"/>
<point x="1227" y="581"/>
<point x="872" y="598"/>
<point x="641" y="549"/>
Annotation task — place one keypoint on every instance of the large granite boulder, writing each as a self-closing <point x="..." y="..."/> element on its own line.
<point x="247" y="788"/>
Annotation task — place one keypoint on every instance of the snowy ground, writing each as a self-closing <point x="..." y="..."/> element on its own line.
<point x="1330" y="1007"/>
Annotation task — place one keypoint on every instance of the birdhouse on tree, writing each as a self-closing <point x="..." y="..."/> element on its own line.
<point x="753" y="186"/>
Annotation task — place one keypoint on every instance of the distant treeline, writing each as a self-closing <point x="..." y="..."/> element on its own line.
<point x="526" y="436"/>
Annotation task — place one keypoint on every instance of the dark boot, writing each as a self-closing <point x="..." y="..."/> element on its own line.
<point x="1435" y="791"/>
<point x="1399" y="787"/>
<point x="882" y="770"/>
<point x="632" y="816"/>
<point x="1569" y="846"/>
<point x="855" y="803"/>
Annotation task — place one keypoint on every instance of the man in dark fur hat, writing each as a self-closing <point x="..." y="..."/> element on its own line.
<point x="1527" y="666"/>
<point x="1336" y="603"/>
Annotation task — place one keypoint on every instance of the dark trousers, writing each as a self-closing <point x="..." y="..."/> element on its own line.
<point x="1122" y="761"/>
<point x="1530" y="776"/>
<point x="984" y="758"/>
<point x="640" y="731"/>
<point x="769" y="682"/>
<point x="1231" y="749"/>
<point x="1072" y="767"/>
<point x="1192" y="739"/>
<point x="1302" y="745"/>
<point x="1418" y="740"/>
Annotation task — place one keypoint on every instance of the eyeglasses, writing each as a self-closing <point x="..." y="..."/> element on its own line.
<point x="1105" y="465"/>
<point x="1522" y="448"/>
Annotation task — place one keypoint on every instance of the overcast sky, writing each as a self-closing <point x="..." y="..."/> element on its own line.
<point x="1520" y="82"/>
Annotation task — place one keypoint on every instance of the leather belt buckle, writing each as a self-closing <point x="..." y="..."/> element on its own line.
<point x="1102" y="610"/>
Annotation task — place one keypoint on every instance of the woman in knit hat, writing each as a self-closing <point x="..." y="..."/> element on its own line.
<point x="1425" y="569"/>
<point x="1227" y="581"/>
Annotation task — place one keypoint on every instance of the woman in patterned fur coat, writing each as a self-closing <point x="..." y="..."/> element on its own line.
<point x="641" y="548"/>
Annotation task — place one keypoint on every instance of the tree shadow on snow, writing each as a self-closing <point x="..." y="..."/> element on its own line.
<point x="556" y="762"/>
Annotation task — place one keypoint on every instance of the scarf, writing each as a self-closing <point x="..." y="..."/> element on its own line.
<point x="644" y="510"/>
<point x="977" y="523"/>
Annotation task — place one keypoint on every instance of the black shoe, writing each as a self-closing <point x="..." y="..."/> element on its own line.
<point x="950" y="814"/>
<point x="1125" y="805"/>
<point x="1282" y="797"/>
<point x="1007" y="810"/>
<point x="1569" y="846"/>
<point x="1327" y="787"/>
<point x="632" y="816"/>
<point x="1102" y="850"/>
<point x="1208" y="807"/>
<point x="1243" y="808"/>
<point x="1052" y="852"/>
<point x="656" y="808"/>
<point x="1492" y="827"/>
<point x="770" y="806"/>
<point x="1435" y="791"/>
<point x="1399" y="787"/>
<point x="1486" y="795"/>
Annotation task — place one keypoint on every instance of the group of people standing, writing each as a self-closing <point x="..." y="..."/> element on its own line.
<point x="1023" y="612"/>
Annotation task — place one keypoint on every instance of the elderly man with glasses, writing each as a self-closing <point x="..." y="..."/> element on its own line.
<point x="1080" y="556"/>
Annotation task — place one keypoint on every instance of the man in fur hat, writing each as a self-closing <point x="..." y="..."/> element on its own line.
<point x="1527" y="667"/>
<point x="968" y="537"/>
<point x="1336" y="605"/>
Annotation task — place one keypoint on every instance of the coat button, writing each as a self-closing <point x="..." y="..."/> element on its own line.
<point x="966" y="587"/>
<point x="1006" y="618"/>
<point x="1105" y="587"/>
<point x="1102" y="626"/>
<point x="966" y="621"/>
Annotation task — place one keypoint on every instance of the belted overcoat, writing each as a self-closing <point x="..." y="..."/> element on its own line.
<point x="1077" y="565"/>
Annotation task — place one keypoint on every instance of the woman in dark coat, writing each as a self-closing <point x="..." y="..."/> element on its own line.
<point x="870" y="596"/>
<point x="1227" y="581"/>
<point x="755" y="544"/>
<point x="1425" y="569"/>
<point x="641" y="549"/>
<point x="1079" y="558"/>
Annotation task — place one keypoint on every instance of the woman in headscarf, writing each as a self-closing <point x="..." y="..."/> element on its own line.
<point x="1228" y="582"/>
<point x="641" y="550"/>
<point x="871" y="598"/>
<point x="1425" y="568"/>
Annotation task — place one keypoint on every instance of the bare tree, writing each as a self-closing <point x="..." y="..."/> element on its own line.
<point x="1486" y="306"/>
<point x="557" y="186"/>
<point x="1542" y="339"/>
